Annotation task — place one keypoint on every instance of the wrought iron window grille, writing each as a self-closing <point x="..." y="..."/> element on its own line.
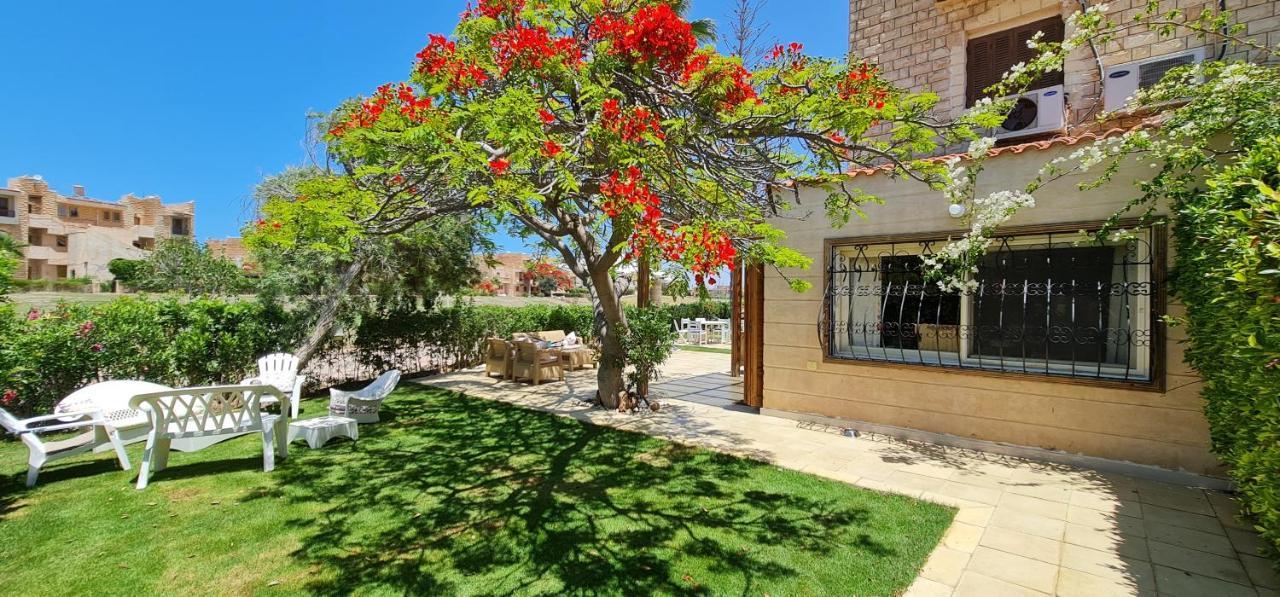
<point x="1043" y="304"/>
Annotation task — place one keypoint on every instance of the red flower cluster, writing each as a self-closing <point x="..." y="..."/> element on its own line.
<point x="546" y="115"/>
<point x="405" y="100"/>
<point x="655" y="35"/>
<point x="705" y="251"/>
<point x="493" y="8"/>
<point x="792" y="49"/>
<point x="632" y="124"/>
<point x="790" y="54"/>
<point x="439" y="58"/>
<point x="740" y="89"/>
<point x="623" y="195"/>
<point x="9" y="397"/>
<point x="695" y="65"/>
<point x="545" y="269"/>
<point x="861" y="83"/>
<point x="487" y="287"/>
<point x="711" y="251"/>
<point x="531" y="48"/>
<point x="551" y="149"/>
<point x="499" y="166"/>
<point x="86" y="328"/>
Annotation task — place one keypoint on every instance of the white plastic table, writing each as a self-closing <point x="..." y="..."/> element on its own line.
<point x="720" y="327"/>
<point x="319" y="430"/>
<point x="112" y="398"/>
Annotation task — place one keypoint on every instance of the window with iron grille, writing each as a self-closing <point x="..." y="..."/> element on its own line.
<point x="1043" y="304"/>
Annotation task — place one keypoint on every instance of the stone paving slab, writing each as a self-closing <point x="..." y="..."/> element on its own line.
<point x="1021" y="528"/>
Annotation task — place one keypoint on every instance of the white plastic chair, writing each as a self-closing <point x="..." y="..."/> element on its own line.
<point x="40" y="452"/>
<point x="205" y="412"/>
<point x="693" y="331"/>
<point x="363" y="404"/>
<point x="280" y="370"/>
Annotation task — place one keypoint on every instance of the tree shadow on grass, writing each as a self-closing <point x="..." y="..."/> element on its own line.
<point x="470" y="496"/>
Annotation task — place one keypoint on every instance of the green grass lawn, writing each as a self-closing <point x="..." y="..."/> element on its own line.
<point x="455" y="495"/>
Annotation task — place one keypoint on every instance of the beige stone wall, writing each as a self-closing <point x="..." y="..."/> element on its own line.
<point x="1167" y="428"/>
<point x="920" y="44"/>
<point x="232" y="249"/>
<point x="92" y="238"/>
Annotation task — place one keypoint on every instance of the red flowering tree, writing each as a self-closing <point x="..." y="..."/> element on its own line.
<point x="601" y="127"/>
<point x="546" y="277"/>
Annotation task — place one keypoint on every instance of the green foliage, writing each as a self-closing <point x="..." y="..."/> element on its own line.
<point x="127" y="271"/>
<point x="1228" y="276"/>
<point x="308" y="236"/>
<point x="708" y="309"/>
<point x="45" y="356"/>
<point x="181" y="265"/>
<point x="10" y="257"/>
<point x="648" y="343"/>
<point x="64" y="284"/>
<point x="460" y="331"/>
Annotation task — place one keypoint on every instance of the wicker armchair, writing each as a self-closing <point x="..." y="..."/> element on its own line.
<point x="363" y="404"/>
<point x="498" y="358"/>
<point x="536" y="364"/>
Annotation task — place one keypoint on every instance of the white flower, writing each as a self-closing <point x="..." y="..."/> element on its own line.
<point x="980" y="147"/>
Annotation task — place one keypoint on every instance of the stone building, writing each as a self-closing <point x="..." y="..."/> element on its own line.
<point x="74" y="236"/>
<point x="232" y="249"/>
<point x="1031" y="364"/>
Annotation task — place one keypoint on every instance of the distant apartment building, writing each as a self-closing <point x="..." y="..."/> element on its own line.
<point x="506" y="270"/>
<point x="517" y="273"/>
<point x="71" y="236"/>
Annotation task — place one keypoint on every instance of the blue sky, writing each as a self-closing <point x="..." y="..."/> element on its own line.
<point x="199" y="100"/>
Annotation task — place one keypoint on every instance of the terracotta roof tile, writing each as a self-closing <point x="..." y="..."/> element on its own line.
<point x="1009" y="149"/>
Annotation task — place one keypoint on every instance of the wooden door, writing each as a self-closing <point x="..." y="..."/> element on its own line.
<point x="753" y="336"/>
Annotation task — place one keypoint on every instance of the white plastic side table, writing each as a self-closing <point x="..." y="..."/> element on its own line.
<point x="319" y="430"/>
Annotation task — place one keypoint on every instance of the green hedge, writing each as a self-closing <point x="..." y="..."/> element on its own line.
<point x="461" y="330"/>
<point x="1228" y="276"/>
<point x="64" y="285"/>
<point x="45" y="356"/>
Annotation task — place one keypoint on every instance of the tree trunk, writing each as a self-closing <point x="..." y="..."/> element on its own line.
<point x="612" y="356"/>
<point x="328" y="313"/>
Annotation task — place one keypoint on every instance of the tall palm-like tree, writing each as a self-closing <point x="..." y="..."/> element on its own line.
<point x="703" y="29"/>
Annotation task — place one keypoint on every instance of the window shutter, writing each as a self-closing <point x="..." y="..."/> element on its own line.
<point x="978" y="63"/>
<point x="990" y="56"/>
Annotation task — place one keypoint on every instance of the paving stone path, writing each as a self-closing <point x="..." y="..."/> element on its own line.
<point x="1023" y="527"/>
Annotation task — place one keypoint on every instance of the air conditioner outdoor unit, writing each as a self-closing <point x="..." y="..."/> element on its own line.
<point x="1035" y="112"/>
<point x="1124" y="80"/>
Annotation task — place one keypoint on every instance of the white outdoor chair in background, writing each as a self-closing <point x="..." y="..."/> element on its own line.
<point x="205" y="412"/>
<point x="692" y="331"/>
<point x="363" y="404"/>
<point x="40" y="452"/>
<point x="280" y="370"/>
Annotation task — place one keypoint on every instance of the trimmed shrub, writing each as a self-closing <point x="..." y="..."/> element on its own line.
<point x="45" y="356"/>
